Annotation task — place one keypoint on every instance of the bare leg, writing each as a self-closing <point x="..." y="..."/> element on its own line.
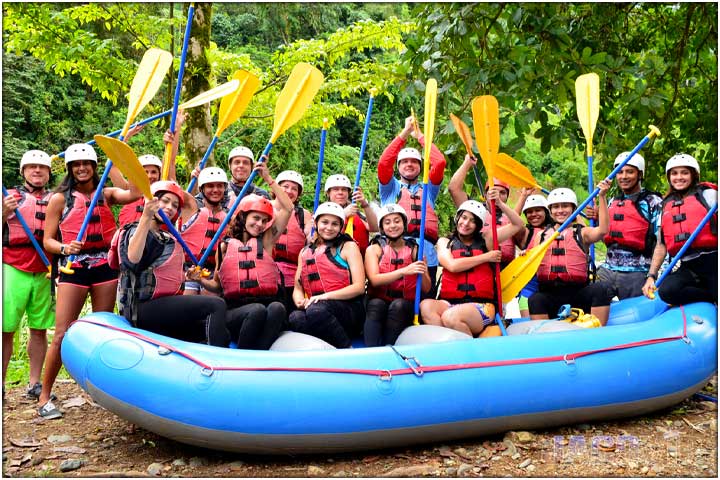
<point x="431" y="311"/>
<point x="70" y="300"/>
<point x="36" y="348"/>
<point x="465" y="318"/>
<point x="7" y="351"/>
<point x="539" y="316"/>
<point x="602" y="313"/>
<point x="103" y="296"/>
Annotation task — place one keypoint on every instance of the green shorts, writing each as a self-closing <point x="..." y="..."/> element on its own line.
<point x="26" y="293"/>
<point x="523" y="303"/>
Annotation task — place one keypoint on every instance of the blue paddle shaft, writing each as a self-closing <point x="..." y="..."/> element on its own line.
<point x="118" y="132"/>
<point x="318" y="180"/>
<point x="173" y="231"/>
<point x="421" y="247"/>
<point x="28" y="232"/>
<point x="233" y="207"/>
<point x="595" y="192"/>
<point x="366" y="131"/>
<point x="181" y="68"/>
<point x="687" y="244"/>
<point x="204" y="160"/>
<point x="93" y="204"/>
<point x="590" y="187"/>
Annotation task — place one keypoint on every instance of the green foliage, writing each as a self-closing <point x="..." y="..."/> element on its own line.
<point x="657" y="64"/>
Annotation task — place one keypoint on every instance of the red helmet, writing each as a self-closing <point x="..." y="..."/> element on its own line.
<point x="161" y="186"/>
<point x="498" y="183"/>
<point x="256" y="203"/>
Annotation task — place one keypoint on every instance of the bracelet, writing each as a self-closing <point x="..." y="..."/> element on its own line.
<point x="652" y="275"/>
<point x="62" y="249"/>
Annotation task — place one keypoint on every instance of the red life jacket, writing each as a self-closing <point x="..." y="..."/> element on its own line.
<point x="131" y="212"/>
<point x="164" y="277"/>
<point x="566" y="260"/>
<point x="198" y="232"/>
<point x="287" y="249"/>
<point x="412" y="204"/>
<point x="100" y="229"/>
<point x="507" y="248"/>
<point x="321" y="272"/>
<point x="361" y="232"/>
<point x="389" y="261"/>
<point x="628" y="226"/>
<point x="533" y="237"/>
<point x="478" y="283"/>
<point x="681" y="216"/>
<point x="247" y="271"/>
<point x="18" y="250"/>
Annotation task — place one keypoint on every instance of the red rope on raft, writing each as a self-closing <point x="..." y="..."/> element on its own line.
<point x="568" y="358"/>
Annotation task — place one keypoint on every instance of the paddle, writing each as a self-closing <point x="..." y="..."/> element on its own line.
<point x="151" y="72"/>
<point x="516" y="174"/>
<point x="521" y="270"/>
<point x="321" y="161"/>
<point x="684" y="248"/>
<point x="430" y="104"/>
<point x="486" y="121"/>
<point x="127" y="162"/>
<point x="231" y="108"/>
<point x="201" y="99"/>
<point x="366" y="131"/>
<point x="463" y="132"/>
<point x="178" y="89"/>
<point x="587" y="93"/>
<point x="29" y="233"/>
<point x="297" y="94"/>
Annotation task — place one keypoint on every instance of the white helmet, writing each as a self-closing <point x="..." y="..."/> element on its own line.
<point x="386" y="210"/>
<point x="35" y="157"/>
<point x="474" y="207"/>
<point x="210" y="175"/>
<point x="329" y="208"/>
<point x="337" y="180"/>
<point x="682" y="160"/>
<point x="534" y="201"/>
<point x="290" y="176"/>
<point x="636" y="161"/>
<point x="147" y="160"/>
<point x="561" y="195"/>
<point x="409" y="153"/>
<point x="241" y="152"/>
<point x="80" y="151"/>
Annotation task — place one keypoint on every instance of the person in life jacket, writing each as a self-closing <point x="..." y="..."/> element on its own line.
<point x="392" y="267"/>
<point x="133" y="211"/>
<point x="92" y="275"/>
<point x="633" y="215"/>
<point x="339" y="190"/>
<point x="240" y="163"/>
<point x="537" y="214"/>
<point x="407" y="191"/>
<point x="295" y="236"/>
<point x="684" y="206"/>
<point x="152" y="276"/>
<point x="467" y="299"/>
<point x="330" y="282"/>
<point x="247" y="276"/>
<point x="201" y="217"/>
<point x="563" y="274"/>
<point x="26" y="289"/>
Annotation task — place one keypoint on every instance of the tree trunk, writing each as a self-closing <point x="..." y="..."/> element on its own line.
<point x="198" y="126"/>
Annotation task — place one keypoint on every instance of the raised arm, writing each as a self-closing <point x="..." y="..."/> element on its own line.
<point x="591" y="235"/>
<point x="457" y="181"/>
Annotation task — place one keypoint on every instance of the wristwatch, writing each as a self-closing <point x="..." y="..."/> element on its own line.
<point x="652" y="275"/>
<point x="62" y="249"/>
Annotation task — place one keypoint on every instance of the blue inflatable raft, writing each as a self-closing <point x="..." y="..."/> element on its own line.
<point x="434" y="384"/>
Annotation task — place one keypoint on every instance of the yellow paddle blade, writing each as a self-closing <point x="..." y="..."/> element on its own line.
<point x="587" y="92"/>
<point x="521" y="270"/>
<point x="486" y="122"/>
<point x="513" y="172"/>
<point x="221" y="91"/>
<point x="126" y="161"/>
<point x="350" y="229"/>
<point x="463" y="132"/>
<point x="233" y="106"/>
<point x="296" y="96"/>
<point x="430" y="103"/>
<point x="151" y="72"/>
